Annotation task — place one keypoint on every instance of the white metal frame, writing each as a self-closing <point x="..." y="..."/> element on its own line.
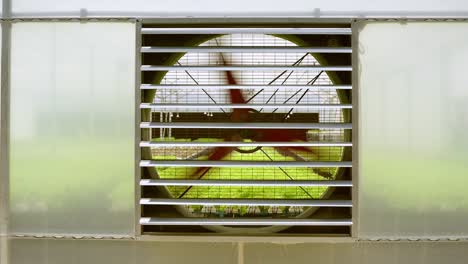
<point x="5" y="133"/>
<point x="270" y="87"/>
<point x="137" y="96"/>
<point x="243" y="68"/>
<point x="247" y="125"/>
<point x="244" y="222"/>
<point x="150" y="49"/>
<point x="154" y="163"/>
<point x="236" y="30"/>
<point x="257" y="183"/>
<point x="257" y="164"/>
<point x="355" y="138"/>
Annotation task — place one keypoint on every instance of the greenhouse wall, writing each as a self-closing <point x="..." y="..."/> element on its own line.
<point x="67" y="133"/>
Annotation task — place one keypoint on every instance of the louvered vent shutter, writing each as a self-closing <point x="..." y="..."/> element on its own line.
<point x="246" y="130"/>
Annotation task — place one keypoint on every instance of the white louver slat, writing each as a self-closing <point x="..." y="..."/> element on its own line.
<point x="243" y="144"/>
<point x="245" y="49"/>
<point x="245" y="222"/>
<point x="250" y="125"/>
<point x="228" y="164"/>
<point x="306" y="31"/>
<point x="242" y="87"/>
<point x="243" y="68"/>
<point x="247" y="202"/>
<point x="165" y="182"/>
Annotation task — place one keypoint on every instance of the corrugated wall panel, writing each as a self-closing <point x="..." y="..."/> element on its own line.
<point x="413" y="149"/>
<point x="72" y="128"/>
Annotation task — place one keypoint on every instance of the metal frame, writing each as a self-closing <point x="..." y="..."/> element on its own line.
<point x="250" y="164"/>
<point x="150" y="49"/>
<point x="276" y="183"/>
<point x="272" y="87"/>
<point x="254" y="238"/>
<point x="145" y="144"/>
<point x="247" y="125"/>
<point x="138" y="92"/>
<point x="244" y="222"/>
<point x="251" y="20"/>
<point x="243" y="68"/>
<point x="355" y="138"/>
<point x="245" y="106"/>
<point x="247" y="202"/>
<point x="5" y="133"/>
<point x="236" y="30"/>
<point x="157" y="163"/>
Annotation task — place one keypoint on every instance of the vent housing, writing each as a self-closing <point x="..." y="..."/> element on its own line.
<point x="295" y="83"/>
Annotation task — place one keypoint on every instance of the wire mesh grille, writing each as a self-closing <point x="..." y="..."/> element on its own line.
<point x="253" y="95"/>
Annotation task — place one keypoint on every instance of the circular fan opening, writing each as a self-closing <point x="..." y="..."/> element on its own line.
<point x="252" y="96"/>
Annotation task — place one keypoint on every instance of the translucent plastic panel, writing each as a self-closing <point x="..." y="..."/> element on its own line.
<point x="413" y="109"/>
<point x="316" y="8"/>
<point x="72" y="128"/>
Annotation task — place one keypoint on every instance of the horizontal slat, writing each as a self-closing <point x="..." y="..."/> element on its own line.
<point x="282" y="183"/>
<point x="302" y="31"/>
<point x="208" y="163"/>
<point x="234" y="125"/>
<point x="244" y="68"/>
<point x="254" y="49"/>
<point x="242" y="144"/>
<point x="242" y="87"/>
<point x="245" y="106"/>
<point x="247" y="202"/>
<point x="244" y="221"/>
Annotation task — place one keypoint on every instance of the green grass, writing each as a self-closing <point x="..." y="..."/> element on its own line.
<point x="67" y="182"/>
<point x="267" y="173"/>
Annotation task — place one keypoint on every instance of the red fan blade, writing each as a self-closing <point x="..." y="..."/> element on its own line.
<point x="304" y="149"/>
<point x="238" y="115"/>
<point x="276" y="135"/>
<point x="285" y="135"/>
<point x="218" y="154"/>
<point x="286" y="151"/>
<point x="235" y="94"/>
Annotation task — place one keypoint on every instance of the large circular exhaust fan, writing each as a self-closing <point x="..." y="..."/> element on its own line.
<point x="230" y="94"/>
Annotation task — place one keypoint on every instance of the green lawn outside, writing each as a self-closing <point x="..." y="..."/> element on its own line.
<point x="267" y="173"/>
